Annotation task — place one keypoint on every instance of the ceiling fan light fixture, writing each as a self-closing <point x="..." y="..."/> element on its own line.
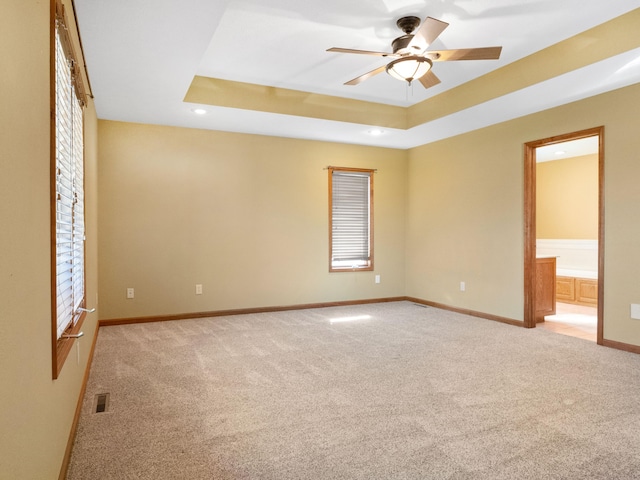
<point x="409" y="68"/>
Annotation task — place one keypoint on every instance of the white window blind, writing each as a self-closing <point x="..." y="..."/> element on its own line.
<point x="69" y="193"/>
<point x="350" y="219"/>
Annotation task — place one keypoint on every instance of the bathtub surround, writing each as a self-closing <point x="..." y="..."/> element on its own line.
<point x="576" y="269"/>
<point x="575" y="257"/>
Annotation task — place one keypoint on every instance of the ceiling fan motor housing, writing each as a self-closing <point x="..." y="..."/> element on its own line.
<point x="408" y="24"/>
<point x="401" y="43"/>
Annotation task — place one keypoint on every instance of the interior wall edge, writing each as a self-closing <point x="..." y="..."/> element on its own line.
<point x="465" y="311"/>
<point x="74" y="426"/>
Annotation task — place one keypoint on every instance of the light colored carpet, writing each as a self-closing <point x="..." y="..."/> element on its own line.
<point x="407" y="393"/>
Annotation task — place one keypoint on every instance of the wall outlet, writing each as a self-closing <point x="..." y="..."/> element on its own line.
<point x="635" y="311"/>
<point x="130" y="293"/>
<point x="377" y="278"/>
<point x="463" y="286"/>
<point x="199" y="289"/>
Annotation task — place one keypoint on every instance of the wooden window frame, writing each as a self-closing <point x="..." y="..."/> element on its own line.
<point x="61" y="345"/>
<point x="369" y="262"/>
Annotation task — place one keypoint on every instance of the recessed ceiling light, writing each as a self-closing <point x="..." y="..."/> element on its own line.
<point x="376" y="132"/>
<point x="560" y="152"/>
<point x="199" y="111"/>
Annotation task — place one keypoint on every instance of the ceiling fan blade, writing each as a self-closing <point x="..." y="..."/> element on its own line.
<point x="430" y="29"/>
<point x="485" y="53"/>
<point x="361" y="52"/>
<point x="367" y="75"/>
<point x="429" y="79"/>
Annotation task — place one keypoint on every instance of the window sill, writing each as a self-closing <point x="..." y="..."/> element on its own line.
<point x="62" y="346"/>
<point x="351" y="269"/>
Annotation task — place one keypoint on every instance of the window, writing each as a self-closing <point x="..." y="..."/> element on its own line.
<point x="67" y="195"/>
<point x="350" y="219"/>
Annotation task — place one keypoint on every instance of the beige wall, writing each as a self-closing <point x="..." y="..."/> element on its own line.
<point x="567" y="198"/>
<point x="243" y="215"/>
<point x="465" y="211"/>
<point x="36" y="412"/>
<point x="464" y="217"/>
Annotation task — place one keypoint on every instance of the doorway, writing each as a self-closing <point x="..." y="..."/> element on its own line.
<point x="531" y="283"/>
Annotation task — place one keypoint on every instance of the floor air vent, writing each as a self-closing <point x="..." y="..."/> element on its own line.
<point x="101" y="403"/>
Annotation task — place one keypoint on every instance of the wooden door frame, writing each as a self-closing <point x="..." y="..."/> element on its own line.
<point x="530" y="222"/>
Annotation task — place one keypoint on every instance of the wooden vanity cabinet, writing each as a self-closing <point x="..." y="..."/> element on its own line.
<point x="545" y="287"/>
<point x="580" y="291"/>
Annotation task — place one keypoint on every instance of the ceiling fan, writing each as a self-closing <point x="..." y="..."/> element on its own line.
<point x="412" y="60"/>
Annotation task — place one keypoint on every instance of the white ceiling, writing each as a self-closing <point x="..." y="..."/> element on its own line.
<point x="569" y="149"/>
<point x="142" y="55"/>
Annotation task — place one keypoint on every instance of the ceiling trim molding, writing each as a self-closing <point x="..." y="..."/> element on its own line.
<point x="589" y="47"/>
<point x="599" y="43"/>
<point x="248" y="96"/>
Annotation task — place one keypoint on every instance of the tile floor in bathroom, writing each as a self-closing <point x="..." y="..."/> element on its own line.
<point x="574" y="320"/>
